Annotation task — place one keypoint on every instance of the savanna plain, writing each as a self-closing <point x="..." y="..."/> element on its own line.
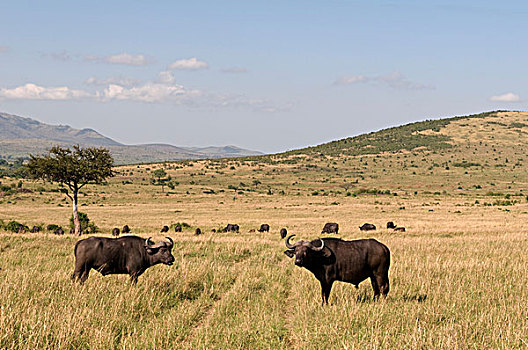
<point x="458" y="273"/>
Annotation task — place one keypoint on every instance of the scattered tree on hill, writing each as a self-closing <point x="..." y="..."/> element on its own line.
<point x="72" y="168"/>
<point x="160" y="174"/>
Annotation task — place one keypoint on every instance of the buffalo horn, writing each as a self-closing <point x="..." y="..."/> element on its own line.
<point x="289" y="245"/>
<point x="171" y="242"/>
<point x="317" y="249"/>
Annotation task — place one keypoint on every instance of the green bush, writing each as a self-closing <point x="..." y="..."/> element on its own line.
<point x="52" y="227"/>
<point x="86" y="224"/>
<point x="14" y="225"/>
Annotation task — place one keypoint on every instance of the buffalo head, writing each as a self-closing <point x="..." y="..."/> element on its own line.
<point x="160" y="252"/>
<point x="304" y="251"/>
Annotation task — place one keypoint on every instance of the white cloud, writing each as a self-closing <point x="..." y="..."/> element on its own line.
<point x="394" y="80"/>
<point x="112" y="80"/>
<point x="508" y="97"/>
<point x="163" y="90"/>
<point x="166" y="77"/>
<point x="122" y="58"/>
<point x="34" y="92"/>
<point x="351" y="79"/>
<point x="150" y="92"/>
<point x="234" y="70"/>
<point x="189" y="64"/>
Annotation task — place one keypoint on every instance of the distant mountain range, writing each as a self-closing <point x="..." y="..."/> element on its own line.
<point x="21" y="136"/>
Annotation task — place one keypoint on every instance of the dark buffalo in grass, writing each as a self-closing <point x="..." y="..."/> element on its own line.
<point x="333" y="259"/>
<point x="232" y="228"/>
<point x="130" y="255"/>
<point x="330" y="227"/>
<point x="264" y="228"/>
<point x="367" y="227"/>
<point x="125" y="229"/>
<point x="115" y="232"/>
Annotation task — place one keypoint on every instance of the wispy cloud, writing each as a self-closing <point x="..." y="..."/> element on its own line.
<point x="58" y="56"/>
<point x="234" y="70"/>
<point x="394" y="80"/>
<point x="507" y="97"/>
<point x="34" y="92"/>
<point x="122" y="58"/>
<point x="189" y="64"/>
<point x="166" y="77"/>
<point x="112" y="80"/>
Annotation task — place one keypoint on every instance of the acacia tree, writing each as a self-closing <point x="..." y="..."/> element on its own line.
<point x="159" y="173"/>
<point x="72" y="168"/>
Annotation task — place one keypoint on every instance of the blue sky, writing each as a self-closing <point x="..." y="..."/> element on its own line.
<point x="270" y="75"/>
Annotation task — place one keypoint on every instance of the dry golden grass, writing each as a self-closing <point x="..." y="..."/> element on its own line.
<point x="458" y="275"/>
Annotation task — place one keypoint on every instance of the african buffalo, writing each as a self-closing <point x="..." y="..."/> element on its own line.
<point x="35" y="229"/>
<point x="21" y="229"/>
<point x="59" y="231"/>
<point x="367" y="227"/>
<point x="283" y="232"/>
<point x="333" y="259"/>
<point x="165" y="229"/>
<point x="125" y="229"/>
<point x="115" y="231"/>
<point x="177" y="228"/>
<point x="198" y="231"/>
<point x="390" y="224"/>
<point x="232" y="228"/>
<point x="264" y="228"/>
<point x="330" y="227"/>
<point x="130" y="255"/>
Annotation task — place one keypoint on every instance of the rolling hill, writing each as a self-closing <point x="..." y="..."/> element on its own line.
<point x="20" y="136"/>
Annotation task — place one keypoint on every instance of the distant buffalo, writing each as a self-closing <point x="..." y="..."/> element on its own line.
<point x="213" y="230"/>
<point x="21" y="229"/>
<point x="115" y="231"/>
<point x="177" y="228"/>
<point x="59" y="231"/>
<point x="35" y="229"/>
<point x="330" y="227"/>
<point x="165" y="229"/>
<point x="399" y="229"/>
<point x="333" y="259"/>
<point x="198" y="231"/>
<point x="130" y="255"/>
<point x="125" y="229"/>
<point x="232" y="228"/>
<point x="367" y="227"/>
<point x="390" y="224"/>
<point x="283" y="233"/>
<point x="264" y="228"/>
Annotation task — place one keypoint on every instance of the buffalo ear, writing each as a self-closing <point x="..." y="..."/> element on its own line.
<point x="149" y="251"/>
<point x="326" y="252"/>
<point x="290" y="253"/>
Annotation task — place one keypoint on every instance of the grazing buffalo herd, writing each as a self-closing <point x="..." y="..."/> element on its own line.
<point x="328" y="259"/>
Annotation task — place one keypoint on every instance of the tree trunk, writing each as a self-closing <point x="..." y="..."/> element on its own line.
<point x="76" y="221"/>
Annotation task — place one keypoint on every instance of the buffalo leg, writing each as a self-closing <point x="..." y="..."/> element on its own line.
<point x="375" y="287"/>
<point x="84" y="275"/>
<point x="325" y="291"/>
<point x="79" y="272"/>
<point x="383" y="283"/>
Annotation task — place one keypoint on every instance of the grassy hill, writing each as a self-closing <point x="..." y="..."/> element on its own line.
<point x="459" y="187"/>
